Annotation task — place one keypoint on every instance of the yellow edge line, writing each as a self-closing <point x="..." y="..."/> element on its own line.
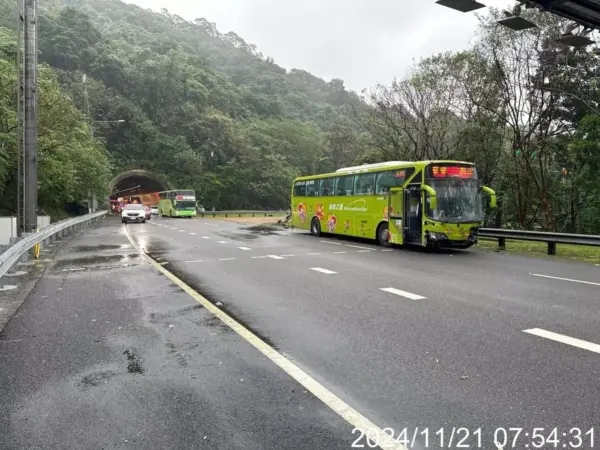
<point x="375" y="434"/>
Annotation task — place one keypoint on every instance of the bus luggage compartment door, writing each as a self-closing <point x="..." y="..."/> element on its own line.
<point x="394" y="215"/>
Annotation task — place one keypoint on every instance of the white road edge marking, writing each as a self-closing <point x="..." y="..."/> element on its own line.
<point x="358" y="246"/>
<point x="244" y="248"/>
<point x="403" y="293"/>
<point x="564" y="339"/>
<point x="565" y="279"/>
<point x="330" y="242"/>
<point x="352" y="416"/>
<point x="325" y="271"/>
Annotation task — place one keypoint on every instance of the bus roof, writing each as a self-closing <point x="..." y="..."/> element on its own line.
<point x="378" y="167"/>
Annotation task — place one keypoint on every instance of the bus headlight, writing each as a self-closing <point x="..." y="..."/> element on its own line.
<point x="434" y="236"/>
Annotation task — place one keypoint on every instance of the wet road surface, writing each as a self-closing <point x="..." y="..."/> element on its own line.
<point x="107" y="353"/>
<point x="414" y="341"/>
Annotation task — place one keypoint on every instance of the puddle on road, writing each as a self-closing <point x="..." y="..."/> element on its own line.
<point x="99" y="247"/>
<point x="98" y="260"/>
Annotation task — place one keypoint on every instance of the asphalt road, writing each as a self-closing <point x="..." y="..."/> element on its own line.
<point x="107" y="353"/>
<point x="412" y="340"/>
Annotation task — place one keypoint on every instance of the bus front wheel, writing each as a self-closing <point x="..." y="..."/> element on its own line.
<point x="315" y="227"/>
<point x="383" y="235"/>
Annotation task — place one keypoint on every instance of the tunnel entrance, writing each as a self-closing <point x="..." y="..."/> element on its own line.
<point x="137" y="183"/>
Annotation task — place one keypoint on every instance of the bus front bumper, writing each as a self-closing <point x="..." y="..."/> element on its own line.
<point x="441" y="241"/>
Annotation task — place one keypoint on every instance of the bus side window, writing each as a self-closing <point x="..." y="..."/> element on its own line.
<point x="300" y="189"/>
<point x="344" y="186"/>
<point x="311" y="188"/>
<point x="327" y="187"/>
<point x="364" y="183"/>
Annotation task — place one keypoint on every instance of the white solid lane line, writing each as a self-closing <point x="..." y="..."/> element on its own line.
<point x="403" y="293"/>
<point x="564" y="279"/>
<point x="325" y="271"/>
<point x="244" y="248"/>
<point x="564" y="339"/>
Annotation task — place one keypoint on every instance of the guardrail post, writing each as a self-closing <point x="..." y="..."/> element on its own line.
<point x="502" y="243"/>
<point x="552" y="248"/>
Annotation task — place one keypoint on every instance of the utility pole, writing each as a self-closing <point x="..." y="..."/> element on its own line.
<point x="20" y="191"/>
<point x="30" y="129"/>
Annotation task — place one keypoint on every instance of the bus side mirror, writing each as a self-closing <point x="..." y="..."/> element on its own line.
<point x="432" y="196"/>
<point x="492" y="195"/>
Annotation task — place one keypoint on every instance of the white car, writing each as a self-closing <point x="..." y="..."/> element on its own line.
<point x="154" y="210"/>
<point x="133" y="212"/>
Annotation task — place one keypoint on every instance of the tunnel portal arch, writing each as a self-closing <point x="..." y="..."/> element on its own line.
<point x="137" y="182"/>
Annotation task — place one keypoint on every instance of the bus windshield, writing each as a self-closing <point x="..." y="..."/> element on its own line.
<point x="185" y="204"/>
<point x="458" y="200"/>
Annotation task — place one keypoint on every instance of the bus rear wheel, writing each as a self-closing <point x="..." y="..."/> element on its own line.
<point x="315" y="227"/>
<point x="383" y="235"/>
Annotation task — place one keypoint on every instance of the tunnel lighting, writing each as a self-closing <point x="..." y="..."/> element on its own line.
<point x="515" y="22"/>
<point x="461" y="5"/>
<point x="573" y="40"/>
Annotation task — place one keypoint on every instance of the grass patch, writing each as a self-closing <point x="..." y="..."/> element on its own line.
<point x="540" y="249"/>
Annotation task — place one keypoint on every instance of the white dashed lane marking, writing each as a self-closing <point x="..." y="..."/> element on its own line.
<point x="321" y="270"/>
<point x="590" y="346"/>
<point x="193" y="234"/>
<point x="205" y="237"/>
<point x="222" y="242"/>
<point x="285" y="256"/>
<point x="245" y="248"/>
<point x="358" y="246"/>
<point x="363" y="251"/>
<point x="339" y="253"/>
<point x="314" y="254"/>
<point x="196" y="261"/>
<point x="226" y="259"/>
<point x="330" y="242"/>
<point x="403" y="293"/>
<point x="275" y="257"/>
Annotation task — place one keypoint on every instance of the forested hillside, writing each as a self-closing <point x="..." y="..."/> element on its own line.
<point x="212" y="113"/>
<point x="205" y="109"/>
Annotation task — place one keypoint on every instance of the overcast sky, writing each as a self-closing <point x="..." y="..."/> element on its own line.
<point x="361" y="41"/>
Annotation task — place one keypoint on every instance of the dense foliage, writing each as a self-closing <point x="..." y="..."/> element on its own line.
<point x="210" y="112"/>
<point x="70" y="165"/>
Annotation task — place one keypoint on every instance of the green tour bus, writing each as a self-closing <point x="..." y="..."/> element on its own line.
<point x="424" y="203"/>
<point x="177" y="203"/>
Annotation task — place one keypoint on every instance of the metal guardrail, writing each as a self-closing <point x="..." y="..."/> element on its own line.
<point x="240" y="213"/>
<point x="539" y="236"/>
<point x="15" y="252"/>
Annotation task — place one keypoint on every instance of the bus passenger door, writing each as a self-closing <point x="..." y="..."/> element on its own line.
<point x="413" y="212"/>
<point x="394" y="215"/>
